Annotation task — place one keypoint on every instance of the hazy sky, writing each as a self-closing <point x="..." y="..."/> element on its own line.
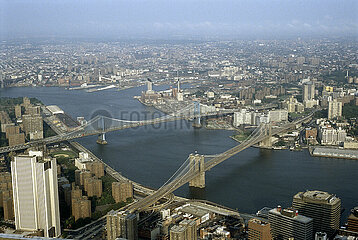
<point x="178" y="18"/>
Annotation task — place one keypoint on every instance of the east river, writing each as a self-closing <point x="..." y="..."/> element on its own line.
<point x="149" y="155"/>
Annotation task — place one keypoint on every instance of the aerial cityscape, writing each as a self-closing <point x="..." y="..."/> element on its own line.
<point x="179" y="121"/>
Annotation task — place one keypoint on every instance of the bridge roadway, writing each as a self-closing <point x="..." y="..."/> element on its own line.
<point x="258" y="137"/>
<point x="82" y="132"/>
<point x="92" y="229"/>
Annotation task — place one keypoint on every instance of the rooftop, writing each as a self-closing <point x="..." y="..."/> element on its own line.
<point x="317" y="196"/>
<point x="258" y="221"/>
<point x="194" y="211"/>
<point x="55" y="109"/>
<point x="299" y="218"/>
<point x="178" y="229"/>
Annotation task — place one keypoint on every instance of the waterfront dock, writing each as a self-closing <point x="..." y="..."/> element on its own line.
<point x="334" y="153"/>
<point x="101" y="89"/>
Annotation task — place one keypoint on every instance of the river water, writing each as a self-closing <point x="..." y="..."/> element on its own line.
<point x="250" y="180"/>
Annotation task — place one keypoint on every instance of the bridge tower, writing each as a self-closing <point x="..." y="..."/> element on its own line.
<point x="197" y="120"/>
<point x="102" y="136"/>
<point x="197" y="164"/>
<point x="267" y="142"/>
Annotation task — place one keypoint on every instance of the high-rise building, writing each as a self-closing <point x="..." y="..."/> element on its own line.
<point x="191" y="230"/>
<point x="96" y="168"/>
<point x="121" y="191"/>
<point x="334" y="109"/>
<point x="35" y="194"/>
<point x="278" y="115"/>
<point x="287" y="224"/>
<point x="33" y="126"/>
<point x="81" y="175"/>
<point x="82" y="159"/>
<point x="149" y="86"/>
<point x="26" y="102"/>
<point x="243" y="117"/>
<point x="76" y="192"/>
<point x="81" y="207"/>
<point x="331" y="136"/>
<point x="8" y="207"/>
<point x="18" y="112"/>
<point x="4" y="194"/>
<point x="178" y="232"/>
<point x="353" y="221"/>
<point x="93" y="186"/>
<point x="259" y="230"/>
<point x="121" y="225"/>
<point x="33" y="110"/>
<point x="322" y="207"/>
<point x="12" y="130"/>
<point x="5" y="181"/>
<point x="14" y="136"/>
<point x="17" y="138"/>
<point x="308" y="91"/>
<point x="292" y="105"/>
<point x="5" y="188"/>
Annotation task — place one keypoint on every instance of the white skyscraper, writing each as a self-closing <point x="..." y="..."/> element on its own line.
<point x="35" y="192"/>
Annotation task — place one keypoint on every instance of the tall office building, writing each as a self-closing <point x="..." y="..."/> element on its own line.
<point x="334" y="109"/>
<point x="322" y="207"/>
<point x="121" y="225"/>
<point x="35" y="194"/>
<point x="259" y="230"/>
<point x="287" y="224"/>
<point x="308" y="92"/>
